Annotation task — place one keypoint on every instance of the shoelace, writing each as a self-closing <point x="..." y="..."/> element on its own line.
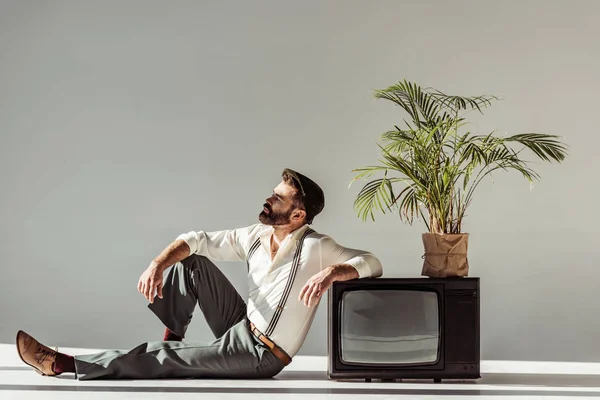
<point x="41" y="354"/>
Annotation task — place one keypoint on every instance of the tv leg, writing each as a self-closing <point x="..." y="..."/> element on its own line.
<point x="367" y="379"/>
<point x="437" y="380"/>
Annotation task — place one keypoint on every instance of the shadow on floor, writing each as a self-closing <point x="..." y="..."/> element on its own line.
<point x="506" y="385"/>
<point x="503" y="379"/>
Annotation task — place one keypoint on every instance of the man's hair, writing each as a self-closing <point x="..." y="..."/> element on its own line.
<point x="308" y="195"/>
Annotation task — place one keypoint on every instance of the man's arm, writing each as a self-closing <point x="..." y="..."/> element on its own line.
<point x="339" y="264"/>
<point x="228" y="245"/>
<point x="343" y="272"/>
<point x="152" y="278"/>
<point x="173" y="253"/>
<point x="340" y="259"/>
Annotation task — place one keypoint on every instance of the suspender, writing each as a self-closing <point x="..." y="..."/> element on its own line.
<point x="251" y="252"/>
<point x="290" y="281"/>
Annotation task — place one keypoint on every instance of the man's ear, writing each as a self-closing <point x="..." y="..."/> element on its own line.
<point x="299" y="214"/>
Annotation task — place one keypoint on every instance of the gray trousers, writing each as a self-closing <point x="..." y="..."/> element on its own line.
<point x="235" y="354"/>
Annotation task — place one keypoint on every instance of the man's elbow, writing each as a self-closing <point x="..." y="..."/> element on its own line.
<point x="376" y="267"/>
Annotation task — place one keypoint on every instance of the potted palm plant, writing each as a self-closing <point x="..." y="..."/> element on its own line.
<point x="438" y="169"/>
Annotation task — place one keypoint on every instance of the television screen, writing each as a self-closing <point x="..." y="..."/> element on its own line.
<point x="398" y="327"/>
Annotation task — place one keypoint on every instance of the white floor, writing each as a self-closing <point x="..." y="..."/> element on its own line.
<point x="306" y="378"/>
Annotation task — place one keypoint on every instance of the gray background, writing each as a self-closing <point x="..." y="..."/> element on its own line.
<point x="126" y="123"/>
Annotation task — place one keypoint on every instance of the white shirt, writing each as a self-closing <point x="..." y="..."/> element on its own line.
<point x="278" y="282"/>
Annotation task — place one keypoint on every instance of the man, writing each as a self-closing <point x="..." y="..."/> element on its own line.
<point x="290" y="266"/>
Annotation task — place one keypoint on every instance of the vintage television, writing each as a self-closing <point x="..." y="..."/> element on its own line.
<point x="404" y="328"/>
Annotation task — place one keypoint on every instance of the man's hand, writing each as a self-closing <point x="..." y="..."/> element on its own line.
<point x="318" y="284"/>
<point x="315" y="287"/>
<point x="152" y="278"/>
<point x="150" y="281"/>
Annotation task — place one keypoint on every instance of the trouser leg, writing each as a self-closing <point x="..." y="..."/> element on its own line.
<point x="196" y="280"/>
<point x="235" y="355"/>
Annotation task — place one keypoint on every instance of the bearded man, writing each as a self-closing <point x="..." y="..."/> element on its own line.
<point x="289" y="268"/>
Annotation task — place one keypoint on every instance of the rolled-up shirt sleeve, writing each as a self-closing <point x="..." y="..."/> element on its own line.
<point x="363" y="261"/>
<point x="226" y="245"/>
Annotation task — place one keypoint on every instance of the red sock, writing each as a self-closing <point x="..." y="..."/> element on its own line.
<point x="63" y="363"/>
<point x="171" y="336"/>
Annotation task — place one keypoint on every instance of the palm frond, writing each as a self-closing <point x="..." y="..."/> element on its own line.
<point x="409" y="205"/>
<point x="375" y="195"/>
<point x="458" y="103"/>
<point x="546" y="147"/>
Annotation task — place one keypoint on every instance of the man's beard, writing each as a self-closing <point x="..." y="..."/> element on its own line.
<point x="274" y="218"/>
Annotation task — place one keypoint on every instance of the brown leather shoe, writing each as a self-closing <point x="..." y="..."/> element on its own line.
<point x="35" y="354"/>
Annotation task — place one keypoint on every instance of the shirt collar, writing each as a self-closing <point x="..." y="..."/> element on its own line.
<point x="295" y="235"/>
